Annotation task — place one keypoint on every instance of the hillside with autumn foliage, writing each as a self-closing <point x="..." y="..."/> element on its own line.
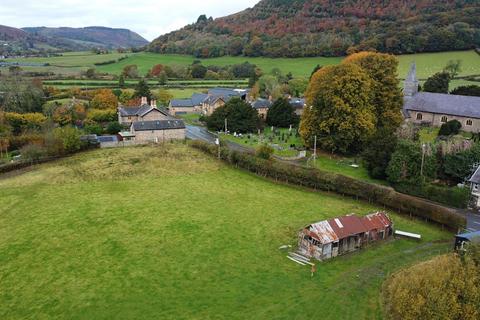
<point x="303" y="28"/>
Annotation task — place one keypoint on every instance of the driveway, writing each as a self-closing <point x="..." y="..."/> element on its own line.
<point x="199" y="133"/>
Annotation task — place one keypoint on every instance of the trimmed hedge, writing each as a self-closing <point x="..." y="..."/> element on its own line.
<point x="454" y="197"/>
<point x="327" y="181"/>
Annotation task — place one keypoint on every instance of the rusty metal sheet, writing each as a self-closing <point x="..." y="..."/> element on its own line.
<point x="377" y="221"/>
<point x="347" y="226"/>
<point x="323" y="232"/>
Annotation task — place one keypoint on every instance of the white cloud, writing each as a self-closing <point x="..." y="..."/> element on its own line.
<point x="150" y="18"/>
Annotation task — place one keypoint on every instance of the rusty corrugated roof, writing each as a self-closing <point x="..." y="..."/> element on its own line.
<point x="376" y="221"/>
<point x="323" y="232"/>
<point x="347" y="226"/>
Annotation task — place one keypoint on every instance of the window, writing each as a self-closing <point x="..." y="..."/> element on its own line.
<point x="444" y="119"/>
<point x="419" y="116"/>
<point x="469" y="122"/>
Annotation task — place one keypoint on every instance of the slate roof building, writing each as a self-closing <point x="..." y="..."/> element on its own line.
<point x="158" y="130"/>
<point x="143" y="112"/>
<point x="475" y="187"/>
<point x="262" y="106"/>
<point x="330" y="238"/>
<point x="150" y="124"/>
<point x="435" y="109"/>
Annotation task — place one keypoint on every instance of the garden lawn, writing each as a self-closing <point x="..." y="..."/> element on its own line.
<point x="169" y="233"/>
<point x="343" y="166"/>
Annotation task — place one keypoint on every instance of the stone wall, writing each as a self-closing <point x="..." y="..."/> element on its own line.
<point x="160" y="136"/>
<point x="435" y="120"/>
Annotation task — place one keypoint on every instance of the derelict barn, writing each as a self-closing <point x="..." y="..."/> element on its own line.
<point x="330" y="238"/>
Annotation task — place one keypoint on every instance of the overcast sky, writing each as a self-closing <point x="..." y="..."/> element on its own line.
<point x="149" y="18"/>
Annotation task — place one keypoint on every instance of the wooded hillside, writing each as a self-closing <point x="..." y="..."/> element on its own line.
<point x="298" y="28"/>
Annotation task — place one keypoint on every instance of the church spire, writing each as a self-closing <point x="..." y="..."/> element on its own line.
<point x="411" y="82"/>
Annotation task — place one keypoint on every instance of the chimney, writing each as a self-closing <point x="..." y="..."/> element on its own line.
<point x="270" y="98"/>
<point x="144" y="101"/>
<point x="153" y="103"/>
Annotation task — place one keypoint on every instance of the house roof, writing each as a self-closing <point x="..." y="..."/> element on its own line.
<point x="139" y="111"/>
<point x="184" y="103"/>
<point x="261" y="103"/>
<point x="212" y="99"/>
<point x="475" y="178"/>
<point x="198" y="98"/>
<point x="158" y="125"/>
<point x="447" y="104"/>
<point x="107" y="138"/>
<point x="297" y="103"/>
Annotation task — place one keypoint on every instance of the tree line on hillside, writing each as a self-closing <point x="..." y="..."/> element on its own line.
<point x="326" y="28"/>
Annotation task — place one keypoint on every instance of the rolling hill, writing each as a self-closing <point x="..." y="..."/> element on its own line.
<point x="42" y="39"/>
<point x="301" y="28"/>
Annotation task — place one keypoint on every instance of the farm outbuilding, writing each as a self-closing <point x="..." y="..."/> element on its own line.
<point x="330" y="238"/>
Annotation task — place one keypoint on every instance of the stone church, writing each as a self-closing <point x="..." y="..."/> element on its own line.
<point x="435" y="109"/>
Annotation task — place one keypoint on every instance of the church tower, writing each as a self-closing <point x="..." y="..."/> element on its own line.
<point x="411" y="82"/>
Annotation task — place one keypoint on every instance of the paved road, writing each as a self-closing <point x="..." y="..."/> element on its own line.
<point x="200" y="133"/>
<point x="473" y="222"/>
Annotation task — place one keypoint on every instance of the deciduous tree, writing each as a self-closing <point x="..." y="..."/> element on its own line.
<point x="342" y="114"/>
<point x="282" y="114"/>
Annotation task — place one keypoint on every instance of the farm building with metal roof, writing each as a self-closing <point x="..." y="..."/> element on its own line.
<point x="330" y="238"/>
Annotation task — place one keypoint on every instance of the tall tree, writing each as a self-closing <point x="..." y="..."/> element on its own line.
<point x="241" y="117"/>
<point x="387" y="96"/>
<point x="142" y="90"/>
<point x="471" y="90"/>
<point x="378" y="152"/>
<point x="437" y="83"/>
<point x="282" y="114"/>
<point x="342" y="114"/>
<point x="20" y="95"/>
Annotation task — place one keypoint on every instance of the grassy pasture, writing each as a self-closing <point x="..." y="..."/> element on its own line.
<point x="427" y="63"/>
<point x="167" y="233"/>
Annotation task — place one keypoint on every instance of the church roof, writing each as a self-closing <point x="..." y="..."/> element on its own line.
<point x="447" y="104"/>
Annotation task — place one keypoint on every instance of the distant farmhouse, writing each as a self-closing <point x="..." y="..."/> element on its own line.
<point x="330" y="238"/>
<point x="150" y="124"/>
<point x="435" y="109"/>
<point x="207" y="103"/>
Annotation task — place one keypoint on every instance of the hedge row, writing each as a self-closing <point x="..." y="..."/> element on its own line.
<point x="454" y="197"/>
<point x="327" y="181"/>
<point x="24" y="164"/>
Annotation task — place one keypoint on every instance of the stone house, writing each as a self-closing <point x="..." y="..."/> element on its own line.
<point x="158" y="131"/>
<point x="178" y="107"/>
<point x="262" y="106"/>
<point x="435" y="109"/>
<point x="143" y="112"/>
<point x="474" y="182"/>
<point x="330" y="238"/>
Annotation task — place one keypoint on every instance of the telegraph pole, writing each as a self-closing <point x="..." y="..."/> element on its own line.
<point x="226" y="125"/>
<point x="315" y="150"/>
<point x="423" y="159"/>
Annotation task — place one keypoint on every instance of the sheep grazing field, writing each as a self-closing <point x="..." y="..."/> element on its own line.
<point x="169" y="233"/>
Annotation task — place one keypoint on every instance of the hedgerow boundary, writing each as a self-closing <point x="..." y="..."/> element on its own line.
<point x="326" y="181"/>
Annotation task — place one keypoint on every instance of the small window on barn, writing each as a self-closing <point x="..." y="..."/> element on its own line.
<point x="129" y="118"/>
<point x="419" y="116"/>
<point x="444" y="119"/>
<point x="469" y="122"/>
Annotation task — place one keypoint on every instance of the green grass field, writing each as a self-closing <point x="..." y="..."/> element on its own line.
<point x="427" y="63"/>
<point x="167" y="233"/>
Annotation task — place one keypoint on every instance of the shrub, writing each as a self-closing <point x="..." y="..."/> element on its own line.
<point x="102" y="115"/>
<point x="33" y="152"/>
<point x="70" y="138"/>
<point x="450" y="128"/>
<point x="114" y="128"/>
<point x="264" y="152"/>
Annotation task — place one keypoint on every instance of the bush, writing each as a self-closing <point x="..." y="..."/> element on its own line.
<point x="264" y="152"/>
<point x="114" y="128"/>
<point x="33" y="152"/>
<point x="450" y="128"/>
<point x="102" y="115"/>
<point x="70" y="138"/>
<point x="322" y="180"/>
